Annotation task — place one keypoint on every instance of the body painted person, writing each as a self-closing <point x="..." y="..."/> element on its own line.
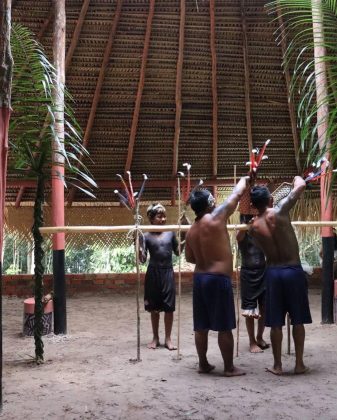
<point x="159" y="287"/>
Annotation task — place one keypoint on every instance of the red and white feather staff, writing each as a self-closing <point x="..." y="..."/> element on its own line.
<point x="256" y="157"/>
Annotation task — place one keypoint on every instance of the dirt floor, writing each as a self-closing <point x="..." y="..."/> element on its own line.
<point x="88" y="374"/>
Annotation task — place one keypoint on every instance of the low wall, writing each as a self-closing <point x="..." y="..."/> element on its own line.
<point x="22" y="284"/>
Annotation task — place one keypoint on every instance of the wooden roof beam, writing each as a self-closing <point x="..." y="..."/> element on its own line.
<point x="180" y="63"/>
<point x="99" y="85"/>
<point x="76" y="34"/>
<point x="291" y="106"/>
<point x="140" y="88"/>
<point x="247" y="77"/>
<point x="214" y="91"/>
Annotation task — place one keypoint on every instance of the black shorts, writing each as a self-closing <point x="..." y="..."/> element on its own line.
<point x="213" y="302"/>
<point x="159" y="289"/>
<point x="253" y="287"/>
<point x="287" y="291"/>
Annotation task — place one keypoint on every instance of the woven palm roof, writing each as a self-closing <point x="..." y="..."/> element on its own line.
<point x="216" y="99"/>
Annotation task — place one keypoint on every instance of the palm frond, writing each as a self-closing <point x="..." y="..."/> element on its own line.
<point x="298" y="18"/>
<point x="32" y="128"/>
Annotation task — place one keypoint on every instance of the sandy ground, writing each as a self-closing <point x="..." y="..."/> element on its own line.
<point x="88" y="375"/>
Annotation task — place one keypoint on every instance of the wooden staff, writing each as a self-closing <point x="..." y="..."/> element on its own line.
<point x="138" y="279"/>
<point x="179" y="265"/>
<point x="235" y="266"/>
<point x="288" y="332"/>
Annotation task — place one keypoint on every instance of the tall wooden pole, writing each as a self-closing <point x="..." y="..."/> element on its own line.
<point x="6" y="71"/>
<point x="60" y="315"/>
<point x="324" y="143"/>
<point x="179" y="73"/>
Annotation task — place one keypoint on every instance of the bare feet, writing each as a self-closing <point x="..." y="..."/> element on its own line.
<point x="300" y="370"/>
<point x="255" y="348"/>
<point x="169" y="345"/>
<point x="262" y="344"/>
<point x="275" y="370"/>
<point x="234" y="372"/>
<point x="154" y="344"/>
<point x="207" y="368"/>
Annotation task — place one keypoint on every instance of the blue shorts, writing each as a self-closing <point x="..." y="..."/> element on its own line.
<point x="287" y="291"/>
<point x="213" y="302"/>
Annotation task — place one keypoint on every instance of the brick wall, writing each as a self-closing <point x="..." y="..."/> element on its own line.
<point x="22" y="284"/>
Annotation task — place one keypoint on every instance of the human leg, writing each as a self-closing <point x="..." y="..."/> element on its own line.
<point x="253" y="345"/>
<point x="201" y="344"/>
<point x="299" y="337"/>
<point x="155" y="316"/>
<point x="168" y="321"/>
<point x="226" y="345"/>
<point x="260" y="328"/>
<point x="276" y="337"/>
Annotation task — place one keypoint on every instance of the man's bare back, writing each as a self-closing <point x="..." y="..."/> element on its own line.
<point x="275" y="235"/>
<point x="273" y="231"/>
<point x="207" y="241"/>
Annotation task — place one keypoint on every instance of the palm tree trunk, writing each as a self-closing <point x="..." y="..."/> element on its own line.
<point x="39" y="269"/>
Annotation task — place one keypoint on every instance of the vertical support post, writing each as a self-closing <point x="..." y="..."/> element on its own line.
<point x="180" y="62"/>
<point x="214" y="91"/>
<point x="6" y="72"/>
<point x="60" y="313"/>
<point x="324" y="143"/>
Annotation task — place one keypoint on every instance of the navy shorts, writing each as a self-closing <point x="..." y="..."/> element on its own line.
<point x="287" y="291"/>
<point x="213" y="302"/>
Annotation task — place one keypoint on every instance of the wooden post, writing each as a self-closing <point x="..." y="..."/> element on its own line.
<point x="214" y="91"/>
<point x="57" y="171"/>
<point x="180" y="62"/>
<point x="141" y="82"/>
<point x="6" y="71"/>
<point x="324" y="143"/>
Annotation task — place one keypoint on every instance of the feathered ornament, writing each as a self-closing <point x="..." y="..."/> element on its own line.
<point x="317" y="171"/>
<point x="256" y="157"/>
<point x="130" y="198"/>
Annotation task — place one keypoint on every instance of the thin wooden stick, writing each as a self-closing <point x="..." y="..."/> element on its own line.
<point x="153" y="228"/>
<point x="288" y="332"/>
<point x="179" y="272"/>
<point x="235" y="265"/>
<point x="138" y="280"/>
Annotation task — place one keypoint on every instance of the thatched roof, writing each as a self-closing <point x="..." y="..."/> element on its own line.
<point x="216" y="100"/>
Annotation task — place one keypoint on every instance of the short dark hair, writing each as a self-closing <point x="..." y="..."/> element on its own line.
<point x="246" y="218"/>
<point x="259" y="196"/>
<point x="154" y="209"/>
<point x="199" y="201"/>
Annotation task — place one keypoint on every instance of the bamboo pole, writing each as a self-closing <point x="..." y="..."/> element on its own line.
<point x="152" y="228"/>
<point x="179" y="272"/>
<point x="235" y="267"/>
<point x="138" y="280"/>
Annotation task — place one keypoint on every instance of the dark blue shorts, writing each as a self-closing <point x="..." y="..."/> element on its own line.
<point x="213" y="302"/>
<point x="287" y="291"/>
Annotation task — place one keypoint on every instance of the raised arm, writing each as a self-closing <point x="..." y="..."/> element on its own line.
<point x="288" y="203"/>
<point x="229" y="205"/>
<point x="184" y="221"/>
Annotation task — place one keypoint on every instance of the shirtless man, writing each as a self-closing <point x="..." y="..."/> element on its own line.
<point x="286" y="283"/>
<point x="159" y="287"/>
<point x="208" y="247"/>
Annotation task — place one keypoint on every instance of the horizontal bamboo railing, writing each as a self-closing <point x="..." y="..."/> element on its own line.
<point x="157" y="228"/>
